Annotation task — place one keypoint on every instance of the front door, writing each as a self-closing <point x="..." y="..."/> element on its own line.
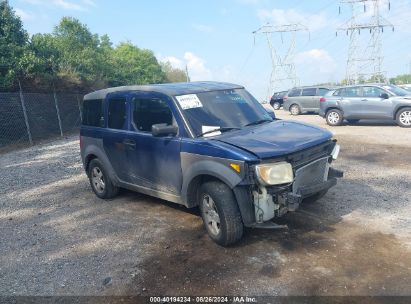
<point x="155" y="162"/>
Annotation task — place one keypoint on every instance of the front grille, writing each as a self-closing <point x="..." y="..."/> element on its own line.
<point x="302" y="158"/>
<point x="311" y="174"/>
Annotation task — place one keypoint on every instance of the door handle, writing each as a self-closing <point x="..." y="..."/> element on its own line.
<point x="365" y="99"/>
<point x="129" y="143"/>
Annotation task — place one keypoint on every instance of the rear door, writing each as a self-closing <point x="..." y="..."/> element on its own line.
<point x="352" y="102"/>
<point x="308" y="99"/>
<point x="374" y="105"/>
<point x="115" y="136"/>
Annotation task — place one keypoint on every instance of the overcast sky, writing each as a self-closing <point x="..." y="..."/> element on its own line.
<point x="214" y="37"/>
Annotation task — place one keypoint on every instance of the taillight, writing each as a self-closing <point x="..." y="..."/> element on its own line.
<point x="285" y="98"/>
<point x="322" y="99"/>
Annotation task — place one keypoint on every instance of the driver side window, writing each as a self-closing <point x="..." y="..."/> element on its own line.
<point x="150" y="111"/>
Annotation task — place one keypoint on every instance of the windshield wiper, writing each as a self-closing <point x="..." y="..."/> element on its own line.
<point x="258" y="122"/>
<point x="223" y="129"/>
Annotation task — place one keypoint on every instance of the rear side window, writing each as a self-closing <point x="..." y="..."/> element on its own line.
<point x="148" y="112"/>
<point x="92" y="112"/>
<point x="309" y="92"/>
<point x="352" y="92"/>
<point x="117" y="114"/>
<point x="322" y="91"/>
<point x="294" y="92"/>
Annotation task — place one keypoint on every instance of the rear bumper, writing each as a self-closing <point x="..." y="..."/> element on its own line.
<point x="321" y="112"/>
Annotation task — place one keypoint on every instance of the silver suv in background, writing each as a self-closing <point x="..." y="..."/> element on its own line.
<point x="304" y="99"/>
<point x="368" y="101"/>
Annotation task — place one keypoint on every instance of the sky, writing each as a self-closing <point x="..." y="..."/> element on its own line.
<point x="215" y="39"/>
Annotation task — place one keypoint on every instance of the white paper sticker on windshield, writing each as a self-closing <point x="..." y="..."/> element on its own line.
<point x="189" y="101"/>
<point x="210" y="128"/>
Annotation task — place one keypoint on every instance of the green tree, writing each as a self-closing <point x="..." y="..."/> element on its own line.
<point x="135" y="66"/>
<point x="173" y="74"/>
<point x="13" y="46"/>
<point x="401" y="79"/>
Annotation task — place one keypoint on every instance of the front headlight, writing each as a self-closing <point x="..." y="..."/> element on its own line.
<point x="275" y="173"/>
<point x="335" y="152"/>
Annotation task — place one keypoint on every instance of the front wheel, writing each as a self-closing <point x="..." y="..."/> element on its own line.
<point x="404" y="118"/>
<point x="334" y="117"/>
<point x="276" y="105"/>
<point x="220" y="213"/>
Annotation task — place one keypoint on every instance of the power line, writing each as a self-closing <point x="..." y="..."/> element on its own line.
<point x="283" y="67"/>
<point x="364" y="62"/>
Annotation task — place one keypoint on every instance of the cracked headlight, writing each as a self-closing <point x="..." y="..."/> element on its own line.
<point x="275" y="173"/>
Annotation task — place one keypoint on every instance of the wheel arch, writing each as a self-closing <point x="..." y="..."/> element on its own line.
<point x="202" y="171"/>
<point x="399" y="108"/>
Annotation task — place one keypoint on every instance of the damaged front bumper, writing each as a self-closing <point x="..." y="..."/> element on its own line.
<point x="274" y="201"/>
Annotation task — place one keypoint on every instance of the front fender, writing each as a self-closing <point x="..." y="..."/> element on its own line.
<point x="195" y="165"/>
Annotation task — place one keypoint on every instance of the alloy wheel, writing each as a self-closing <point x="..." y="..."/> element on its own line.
<point x="211" y="217"/>
<point x="405" y="118"/>
<point x="333" y="118"/>
<point x="97" y="178"/>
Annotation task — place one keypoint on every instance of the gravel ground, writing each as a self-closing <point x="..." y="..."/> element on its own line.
<point x="59" y="239"/>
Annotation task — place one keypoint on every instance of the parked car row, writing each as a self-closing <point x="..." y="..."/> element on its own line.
<point x="379" y="101"/>
<point x="350" y="103"/>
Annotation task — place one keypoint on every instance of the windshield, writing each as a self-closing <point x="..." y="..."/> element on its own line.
<point x="396" y="90"/>
<point x="222" y="109"/>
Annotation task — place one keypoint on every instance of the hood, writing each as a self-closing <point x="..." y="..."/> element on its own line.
<point x="276" y="138"/>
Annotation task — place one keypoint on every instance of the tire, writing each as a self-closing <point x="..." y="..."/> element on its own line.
<point x="220" y="213"/>
<point x="315" y="197"/>
<point x="352" y="121"/>
<point x="334" y="117"/>
<point x="100" y="182"/>
<point x="403" y="118"/>
<point x="295" y="109"/>
<point x="276" y="105"/>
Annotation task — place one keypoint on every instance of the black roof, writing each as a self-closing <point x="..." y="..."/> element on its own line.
<point x="172" y="89"/>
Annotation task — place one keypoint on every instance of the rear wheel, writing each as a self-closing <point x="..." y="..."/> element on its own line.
<point x="100" y="182"/>
<point x="220" y="213"/>
<point x="334" y="117"/>
<point x="276" y="105"/>
<point x="352" y="121"/>
<point x="295" y="109"/>
<point x="404" y="118"/>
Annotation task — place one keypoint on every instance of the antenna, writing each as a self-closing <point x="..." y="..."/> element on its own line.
<point x="365" y="59"/>
<point x="283" y="68"/>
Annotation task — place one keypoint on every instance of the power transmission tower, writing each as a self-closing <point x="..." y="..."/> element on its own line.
<point x="283" y="69"/>
<point x="365" y="59"/>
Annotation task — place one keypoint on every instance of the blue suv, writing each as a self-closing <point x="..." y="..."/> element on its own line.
<point x="204" y="144"/>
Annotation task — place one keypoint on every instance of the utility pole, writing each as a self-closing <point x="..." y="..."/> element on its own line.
<point x="187" y="77"/>
<point x="283" y="68"/>
<point x="365" y="59"/>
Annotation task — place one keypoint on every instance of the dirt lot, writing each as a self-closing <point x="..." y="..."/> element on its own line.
<point x="57" y="238"/>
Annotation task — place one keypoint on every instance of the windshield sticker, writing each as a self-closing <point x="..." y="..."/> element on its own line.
<point x="189" y="101"/>
<point x="205" y="129"/>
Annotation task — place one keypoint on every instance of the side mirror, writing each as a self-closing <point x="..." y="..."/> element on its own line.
<point x="163" y="129"/>
<point x="384" y="96"/>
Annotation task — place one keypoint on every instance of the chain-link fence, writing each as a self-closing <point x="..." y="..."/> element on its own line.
<point x="27" y="118"/>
